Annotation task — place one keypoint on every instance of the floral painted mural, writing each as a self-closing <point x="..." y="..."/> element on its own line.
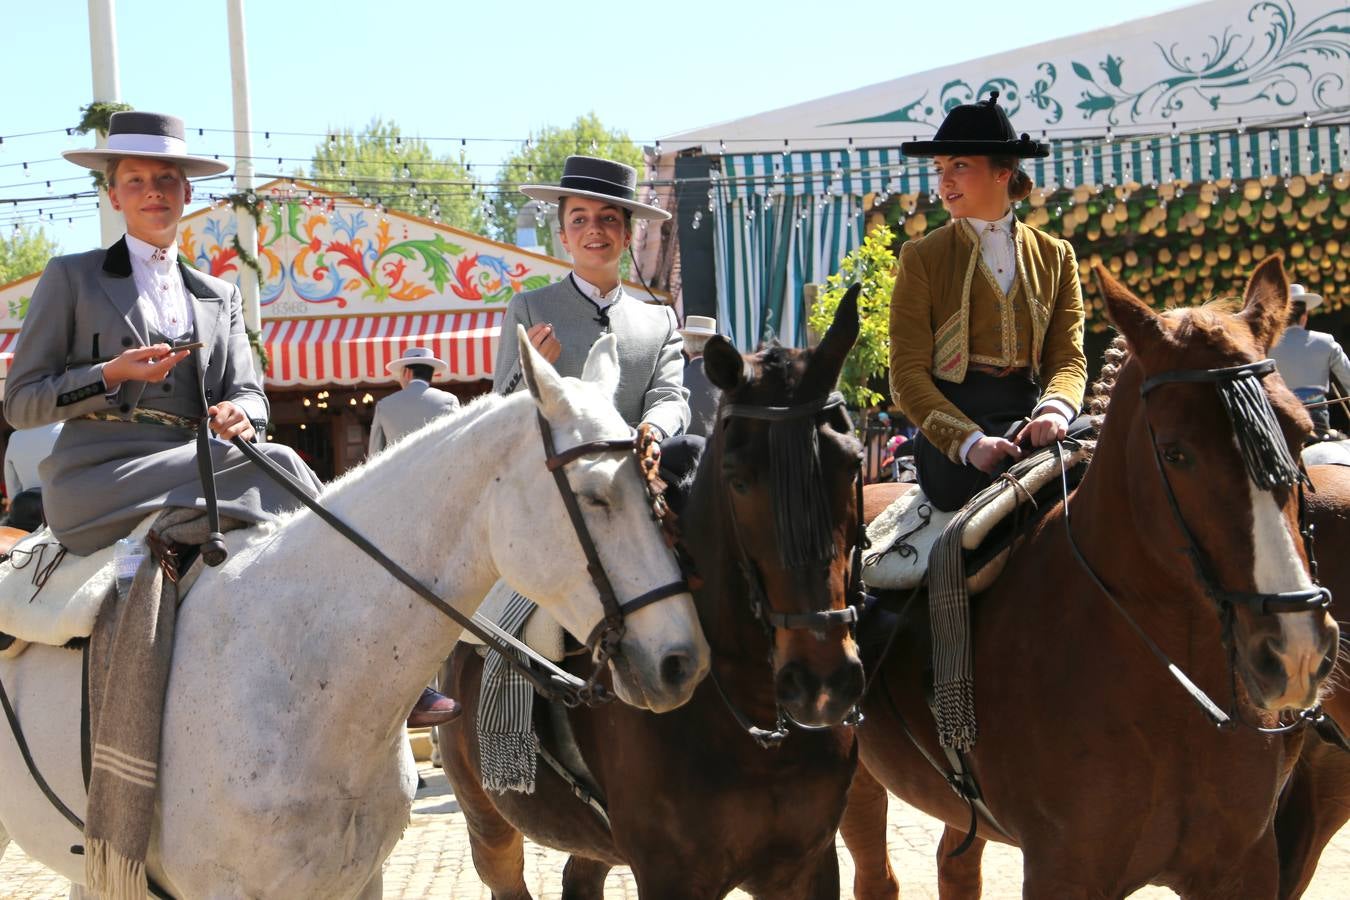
<point x="321" y="255"/>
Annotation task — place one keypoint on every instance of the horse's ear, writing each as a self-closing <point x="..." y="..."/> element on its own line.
<point x="1142" y="327"/>
<point x="724" y="365"/>
<point x="839" y="339"/>
<point x="541" y="378"/>
<point x="1266" y="302"/>
<point x="602" y="365"/>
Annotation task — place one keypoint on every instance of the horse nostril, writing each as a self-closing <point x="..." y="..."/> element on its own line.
<point x="1328" y="663"/>
<point x="796" y="685"/>
<point x="676" y="669"/>
<point x="1267" y="661"/>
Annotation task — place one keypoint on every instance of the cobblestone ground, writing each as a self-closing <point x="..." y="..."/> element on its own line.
<point x="432" y="861"/>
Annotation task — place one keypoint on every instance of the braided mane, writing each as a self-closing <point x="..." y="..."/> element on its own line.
<point x="1100" y="397"/>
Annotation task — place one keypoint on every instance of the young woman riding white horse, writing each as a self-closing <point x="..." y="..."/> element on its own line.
<point x="284" y="771"/>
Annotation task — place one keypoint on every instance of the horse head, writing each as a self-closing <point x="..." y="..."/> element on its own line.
<point x="785" y="464"/>
<point x="661" y="653"/>
<point x="1211" y="440"/>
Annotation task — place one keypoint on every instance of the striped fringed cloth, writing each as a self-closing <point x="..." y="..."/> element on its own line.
<point x="949" y="620"/>
<point x="508" y="747"/>
<point x="129" y="656"/>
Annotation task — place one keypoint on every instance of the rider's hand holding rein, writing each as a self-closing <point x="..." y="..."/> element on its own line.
<point x="229" y="421"/>
<point x="987" y="453"/>
<point x="149" y="364"/>
<point x="1045" y="429"/>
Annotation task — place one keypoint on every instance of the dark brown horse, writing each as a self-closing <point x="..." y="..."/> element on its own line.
<point x="1316" y="803"/>
<point x="697" y="806"/>
<point x="1091" y="755"/>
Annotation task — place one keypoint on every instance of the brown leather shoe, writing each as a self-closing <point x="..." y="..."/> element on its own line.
<point x="433" y="709"/>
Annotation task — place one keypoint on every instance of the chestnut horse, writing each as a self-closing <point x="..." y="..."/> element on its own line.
<point x="697" y="805"/>
<point x="1316" y="803"/>
<point x="1091" y="756"/>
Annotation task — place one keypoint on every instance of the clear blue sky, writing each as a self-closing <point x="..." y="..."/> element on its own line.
<point x="494" y="69"/>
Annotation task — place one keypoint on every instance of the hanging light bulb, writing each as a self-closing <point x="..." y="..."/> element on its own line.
<point x="407" y="173"/>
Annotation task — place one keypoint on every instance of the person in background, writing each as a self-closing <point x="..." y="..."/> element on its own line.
<point x="415" y="403"/>
<point x="703" y="394"/>
<point x="1308" y="361"/>
<point x="987" y="315"/>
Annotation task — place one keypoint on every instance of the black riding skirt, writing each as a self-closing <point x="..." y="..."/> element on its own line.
<point x="991" y="402"/>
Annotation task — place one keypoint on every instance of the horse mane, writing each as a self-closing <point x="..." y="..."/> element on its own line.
<point x="1118" y="351"/>
<point x="1099" y="396"/>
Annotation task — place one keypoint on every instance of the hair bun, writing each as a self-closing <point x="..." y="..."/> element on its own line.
<point x="1020" y="185"/>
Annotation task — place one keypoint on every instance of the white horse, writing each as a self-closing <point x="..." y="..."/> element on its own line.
<point x="284" y="771"/>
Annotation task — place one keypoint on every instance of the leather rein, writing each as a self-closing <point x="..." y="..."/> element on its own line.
<point x="1226" y="601"/>
<point x="771" y="620"/>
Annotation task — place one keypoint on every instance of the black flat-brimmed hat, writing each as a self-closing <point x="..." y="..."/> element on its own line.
<point x="977" y="129"/>
<point x="145" y="135"/>
<point x="599" y="179"/>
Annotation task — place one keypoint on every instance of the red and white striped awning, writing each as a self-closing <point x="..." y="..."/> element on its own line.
<point x="355" y="349"/>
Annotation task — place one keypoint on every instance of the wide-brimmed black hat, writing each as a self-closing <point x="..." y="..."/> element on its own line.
<point x="599" y="179"/>
<point x="977" y="129"/>
<point x="146" y="135"/>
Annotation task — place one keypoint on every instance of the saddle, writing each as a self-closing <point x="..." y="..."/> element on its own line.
<point x="903" y="535"/>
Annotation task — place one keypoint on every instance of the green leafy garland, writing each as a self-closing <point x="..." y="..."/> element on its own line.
<point x="97" y="116"/>
<point x="252" y="204"/>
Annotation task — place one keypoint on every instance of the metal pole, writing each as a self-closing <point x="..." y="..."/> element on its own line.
<point x="247" y="228"/>
<point x="103" y="62"/>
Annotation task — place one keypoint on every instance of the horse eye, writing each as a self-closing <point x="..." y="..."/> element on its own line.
<point x="738" y="484"/>
<point x="1174" y="456"/>
<point x="595" y="501"/>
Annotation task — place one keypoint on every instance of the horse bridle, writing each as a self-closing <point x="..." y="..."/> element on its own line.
<point x="1253" y="415"/>
<point x="551" y="681"/>
<point x="604" y="639"/>
<point x="764" y="613"/>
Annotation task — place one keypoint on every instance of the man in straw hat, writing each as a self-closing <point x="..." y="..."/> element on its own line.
<point x="703" y="394"/>
<point x="1308" y="360"/>
<point x="987" y="315"/>
<point x="97" y="351"/>
<point x="399" y="414"/>
<point x="415" y="404"/>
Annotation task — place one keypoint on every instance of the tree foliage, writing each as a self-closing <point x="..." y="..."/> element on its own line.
<point x="540" y="161"/>
<point x="401" y="172"/>
<point x="873" y="266"/>
<point x="24" y="252"/>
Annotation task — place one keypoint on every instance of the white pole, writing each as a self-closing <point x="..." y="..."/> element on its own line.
<point x="243" y="164"/>
<point x="103" y="59"/>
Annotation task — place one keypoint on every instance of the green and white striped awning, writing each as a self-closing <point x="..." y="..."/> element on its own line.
<point x="784" y="220"/>
<point x="1190" y="157"/>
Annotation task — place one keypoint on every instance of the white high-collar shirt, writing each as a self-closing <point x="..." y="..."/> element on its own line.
<point x="163" y="296"/>
<point x="593" y="293"/>
<point x="998" y="248"/>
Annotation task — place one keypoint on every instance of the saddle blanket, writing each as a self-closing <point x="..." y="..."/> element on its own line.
<point x="48" y="596"/>
<point x="541" y="632"/>
<point x="903" y="536"/>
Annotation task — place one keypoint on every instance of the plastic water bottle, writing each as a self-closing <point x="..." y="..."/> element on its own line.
<point x="127" y="556"/>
